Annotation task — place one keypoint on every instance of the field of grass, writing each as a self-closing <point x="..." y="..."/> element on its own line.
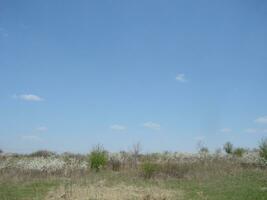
<point x="248" y="184"/>
<point x="45" y="176"/>
<point x="36" y="190"/>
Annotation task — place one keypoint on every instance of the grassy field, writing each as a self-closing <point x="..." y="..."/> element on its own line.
<point x="127" y="176"/>
<point x="248" y="184"/>
<point x="26" y="190"/>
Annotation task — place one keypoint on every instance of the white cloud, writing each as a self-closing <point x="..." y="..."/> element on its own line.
<point x="251" y="130"/>
<point x="28" y="97"/>
<point x="181" y="78"/>
<point x="41" y="129"/>
<point x="264" y="131"/>
<point x="226" y="130"/>
<point x="152" y="125"/>
<point x="117" y="127"/>
<point x="261" y="120"/>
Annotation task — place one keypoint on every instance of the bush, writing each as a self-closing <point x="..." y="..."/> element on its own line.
<point x="175" y="169"/>
<point x="239" y="152"/>
<point x="98" y="158"/>
<point x="203" y="150"/>
<point x="263" y="149"/>
<point x="115" y="164"/>
<point x="149" y="169"/>
<point x="42" y="153"/>
<point x="228" y="148"/>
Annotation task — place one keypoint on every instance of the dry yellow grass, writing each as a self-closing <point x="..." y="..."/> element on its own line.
<point x="100" y="191"/>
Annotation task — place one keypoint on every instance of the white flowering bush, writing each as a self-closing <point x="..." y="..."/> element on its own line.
<point x="68" y="163"/>
<point x="49" y="164"/>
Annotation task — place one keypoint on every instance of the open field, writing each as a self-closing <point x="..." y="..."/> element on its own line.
<point x="176" y="176"/>
<point x="133" y="100"/>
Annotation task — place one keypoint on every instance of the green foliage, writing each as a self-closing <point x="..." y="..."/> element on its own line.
<point x="203" y="150"/>
<point x="263" y="149"/>
<point x="228" y="148"/>
<point x="149" y="169"/>
<point x="43" y="153"/>
<point x="98" y="158"/>
<point x="239" y="152"/>
<point x="248" y="185"/>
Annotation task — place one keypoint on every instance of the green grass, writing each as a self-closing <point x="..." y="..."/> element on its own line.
<point x="246" y="185"/>
<point x="35" y="190"/>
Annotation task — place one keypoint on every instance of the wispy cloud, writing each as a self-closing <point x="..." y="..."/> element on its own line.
<point x="261" y="120"/>
<point x="35" y="134"/>
<point x="251" y="130"/>
<point x="181" y="78"/>
<point x="41" y="129"/>
<point x="152" y="125"/>
<point x="226" y="130"/>
<point x="117" y="127"/>
<point x="28" y="97"/>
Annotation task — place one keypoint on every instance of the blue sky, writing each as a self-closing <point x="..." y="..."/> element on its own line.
<point x="164" y="73"/>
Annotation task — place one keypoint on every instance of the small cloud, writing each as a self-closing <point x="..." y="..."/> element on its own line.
<point x="226" y="130"/>
<point x="31" y="138"/>
<point x="181" y="78"/>
<point x="251" y="130"/>
<point x="264" y="131"/>
<point x="152" y="125"/>
<point x="261" y="120"/>
<point x="41" y="129"/>
<point x="117" y="127"/>
<point x="28" y="97"/>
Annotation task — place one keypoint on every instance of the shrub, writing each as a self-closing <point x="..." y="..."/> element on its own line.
<point x="228" y="148"/>
<point x="239" y="152"/>
<point x="76" y="156"/>
<point x="115" y="163"/>
<point x="43" y="153"/>
<point x="263" y="149"/>
<point x="203" y="150"/>
<point x="149" y="169"/>
<point x="136" y="153"/>
<point x="175" y="169"/>
<point x="98" y="158"/>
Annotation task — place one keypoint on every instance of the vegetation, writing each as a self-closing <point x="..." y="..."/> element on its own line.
<point x="36" y="190"/>
<point x="239" y="152"/>
<point x="263" y="149"/>
<point x="136" y="176"/>
<point x="228" y="148"/>
<point x="204" y="150"/>
<point x="43" y="153"/>
<point x="148" y="169"/>
<point x="98" y="158"/>
<point x="115" y="163"/>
